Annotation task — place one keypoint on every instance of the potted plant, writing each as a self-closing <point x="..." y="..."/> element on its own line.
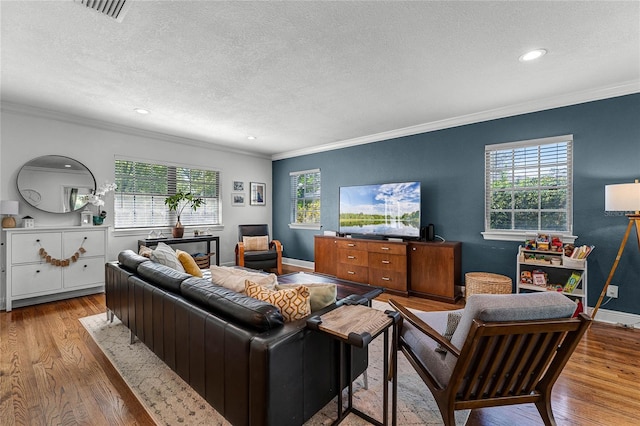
<point x="177" y="203"/>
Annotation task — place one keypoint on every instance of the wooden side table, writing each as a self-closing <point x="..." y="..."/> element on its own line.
<point x="357" y="325"/>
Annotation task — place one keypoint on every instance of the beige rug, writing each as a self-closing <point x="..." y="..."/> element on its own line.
<point x="171" y="401"/>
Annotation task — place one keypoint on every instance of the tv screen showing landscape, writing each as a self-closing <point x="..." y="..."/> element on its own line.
<point x="389" y="209"/>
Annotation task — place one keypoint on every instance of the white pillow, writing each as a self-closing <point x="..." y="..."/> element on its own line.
<point x="233" y="278"/>
<point x="167" y="256"/>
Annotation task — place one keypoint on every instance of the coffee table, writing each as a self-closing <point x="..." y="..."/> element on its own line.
<point x="344" y="288"/>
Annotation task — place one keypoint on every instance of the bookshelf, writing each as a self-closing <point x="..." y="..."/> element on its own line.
<point x="546" y="270"/>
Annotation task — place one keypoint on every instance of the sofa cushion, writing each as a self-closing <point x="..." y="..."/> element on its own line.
<point x="234" y="278"/>
<point x="260" y="243"/>
<point x="162" y="276"/>
<point x="292" y="302"/>
<point x="129" y="260"/>
<point x="165" y="255"/>
<point x="321" y="295"/>
<point x="232" y="306"/>
<point x="189" y="264"/>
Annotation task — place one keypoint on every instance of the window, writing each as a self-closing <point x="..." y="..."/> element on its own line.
<point x="143" y="187"/>
<point x="305" y="198"/>
<point x="528" y="187"/>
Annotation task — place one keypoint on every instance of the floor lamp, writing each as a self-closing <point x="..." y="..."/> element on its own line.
<point x="622" y="197"/>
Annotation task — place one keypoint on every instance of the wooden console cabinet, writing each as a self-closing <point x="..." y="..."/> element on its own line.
<point x="435" y="270"/>
<point x="415" y="268"/>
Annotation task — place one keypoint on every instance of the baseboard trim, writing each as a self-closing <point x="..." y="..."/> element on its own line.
<point x="298" y="263"/>
<point x="615" y="317"/>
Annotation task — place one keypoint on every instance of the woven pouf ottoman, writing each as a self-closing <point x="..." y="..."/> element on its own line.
<point x="486" y="283"/>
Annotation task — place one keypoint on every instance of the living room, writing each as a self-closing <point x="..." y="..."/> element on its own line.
<point x="446" y="156"/>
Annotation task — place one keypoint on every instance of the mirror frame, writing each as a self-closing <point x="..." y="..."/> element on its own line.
<point x="35" y="197"/>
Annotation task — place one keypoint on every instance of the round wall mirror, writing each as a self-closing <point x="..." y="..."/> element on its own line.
<point x="55" y="184"/>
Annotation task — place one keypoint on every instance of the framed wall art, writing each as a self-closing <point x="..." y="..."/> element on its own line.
<point x="237" y="199"/>
<point x="238" y="185"/>
<point x="258" y="194"/>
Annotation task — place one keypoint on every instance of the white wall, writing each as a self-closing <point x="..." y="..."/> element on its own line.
<point x="27" y="133"/>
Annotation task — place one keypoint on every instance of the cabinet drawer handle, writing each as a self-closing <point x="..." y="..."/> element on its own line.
<point x="37" y="271"/>
<point x="85" y="238"/>
<point x="351" y="257"/>
<point x="386" y="262"/>
<point x="351" y="273"/>
<point x="38" y="240"/>
<point x="386" y="279"/>
<point x="85" y="266"/>
<point x="384" y="248"/>
<point x="351" y="245"/>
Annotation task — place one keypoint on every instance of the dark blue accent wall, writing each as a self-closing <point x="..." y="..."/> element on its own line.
<point x="449" y="164"/>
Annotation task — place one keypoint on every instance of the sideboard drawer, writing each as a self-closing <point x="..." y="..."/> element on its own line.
<point x="353" y="257"/>
<point x="84" y="272"/>
<point x="388" y="248"/>
<point x="91" y="241"/>
<point x="350" y="244"/>
<point x="393" y="280"/>
<point x="388" y="262"/>
<point x="35" y="279"/>
<point x="353" y="273"/>
<point x="25" y="248"/>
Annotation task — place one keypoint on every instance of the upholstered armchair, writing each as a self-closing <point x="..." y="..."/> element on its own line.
<point x="498" y="350"/>
<point x="254" y="249"/>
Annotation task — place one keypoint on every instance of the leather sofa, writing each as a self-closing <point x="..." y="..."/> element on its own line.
<point x="235" y="351"/>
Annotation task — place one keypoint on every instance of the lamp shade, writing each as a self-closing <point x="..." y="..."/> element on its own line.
<point x="622" y="197"/>
<point x="9" y="207"/>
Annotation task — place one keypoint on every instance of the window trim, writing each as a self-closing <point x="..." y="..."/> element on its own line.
<point x="294" y="199"/>
<point x="520" y="235"/>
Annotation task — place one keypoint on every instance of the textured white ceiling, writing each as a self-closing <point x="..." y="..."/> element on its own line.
<point x="303" y="76"/>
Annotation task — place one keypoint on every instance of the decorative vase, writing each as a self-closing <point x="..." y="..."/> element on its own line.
<point x="178" y="230"/>
<point x="98" y="220"/>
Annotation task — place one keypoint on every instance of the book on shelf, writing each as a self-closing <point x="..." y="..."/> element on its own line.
<point x="572" y="282"/>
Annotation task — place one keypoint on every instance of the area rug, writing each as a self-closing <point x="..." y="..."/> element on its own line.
<point x="170" y="400"/>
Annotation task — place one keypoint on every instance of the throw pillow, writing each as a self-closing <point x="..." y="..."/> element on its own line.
<point x="452" y="323"/>
<point x="167" y="256"/>
<point x="293" y="303"/>
<point x="233" y="278"/>
<point x="256" y="243"/>
<point x="321" y="295"/>
<point x="189" y="264"/>
<point x="145" y="251"/>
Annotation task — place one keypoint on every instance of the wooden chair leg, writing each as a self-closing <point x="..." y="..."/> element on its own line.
<point x="544" y="408"/>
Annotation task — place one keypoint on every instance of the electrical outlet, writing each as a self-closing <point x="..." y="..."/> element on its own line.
<point x="612" y="291"/>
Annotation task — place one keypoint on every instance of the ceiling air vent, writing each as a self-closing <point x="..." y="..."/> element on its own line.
<point x="115" y="9"/>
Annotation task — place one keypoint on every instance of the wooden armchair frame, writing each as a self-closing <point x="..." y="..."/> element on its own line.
<point x="500" y="363"/>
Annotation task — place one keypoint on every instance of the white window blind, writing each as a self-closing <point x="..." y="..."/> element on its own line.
<point x="529" y="186"/>
<point x="305" y="197"/>
<point x="143" y="187"/>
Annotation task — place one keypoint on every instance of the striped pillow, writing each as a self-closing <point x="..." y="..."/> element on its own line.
<point x="256" y="243"/>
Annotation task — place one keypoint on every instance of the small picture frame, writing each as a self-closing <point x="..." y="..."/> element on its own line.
<point x="258" y="194"/>
<point x="237" y="199"/>
<point x="238" y="185"/>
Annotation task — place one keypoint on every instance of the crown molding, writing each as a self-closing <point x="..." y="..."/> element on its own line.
<point x="34" y="111"/>
<point x="575" y="98"/>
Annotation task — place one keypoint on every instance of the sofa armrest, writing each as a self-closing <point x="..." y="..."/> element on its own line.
<point x="276" y="244"/>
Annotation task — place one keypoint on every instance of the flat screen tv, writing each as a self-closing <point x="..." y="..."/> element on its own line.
<point x="383" y="210"/>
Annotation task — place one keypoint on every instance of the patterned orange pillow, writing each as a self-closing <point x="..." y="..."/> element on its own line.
<point x="256" y="243"/>
<point x="293" y="303"/>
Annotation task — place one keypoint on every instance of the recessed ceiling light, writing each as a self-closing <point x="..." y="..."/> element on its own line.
<point x="251" y="138"/>
<point x="141" y="111"/>
<point x="533" y="54"/>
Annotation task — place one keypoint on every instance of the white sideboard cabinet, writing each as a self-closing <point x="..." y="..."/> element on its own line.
<point x="75" y="266"/>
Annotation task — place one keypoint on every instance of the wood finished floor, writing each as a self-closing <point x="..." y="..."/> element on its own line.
<point x="52" y="372"/>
